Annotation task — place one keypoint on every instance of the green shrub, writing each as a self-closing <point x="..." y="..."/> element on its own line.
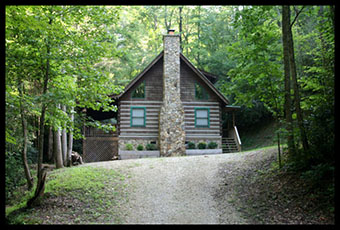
<point x="191" y="145"/>
<point x="212" y="145"/>
<point x="32" y="154"/>
<point x="318" y="174"/>
<point x="14" y="172"/>
<point x="129" y="147"/>
<point x="140" y="147"/>
<point x="202" y="145"/>
<point x="151" y="147"/>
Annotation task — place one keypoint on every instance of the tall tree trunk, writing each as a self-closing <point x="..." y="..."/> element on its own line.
<point x="42" y="123"/>
<point x="296" y="89"/>
<point x="287" y="104"/>
<point x="50" y="144"/>
<point x="70" y="141"/>
<point x="57" y="149"/>
<point x="64" y="140"/>
<point x="168" y="20"/>
<point x="167" y="25"/>
<point x="180" y="27"/>
<point x="198" y="37"/>
<point x="332" y="9"/>
<point x="24" y="148"/>
<point x="278" y="143"/>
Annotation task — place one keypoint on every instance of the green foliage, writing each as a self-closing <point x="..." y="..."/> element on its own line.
<point x="200" y="92"/>
<point x="318" y="174"/>
<point x="129" y="147"/>
<point x="9" y="138"/>
<point x="37" y="35"/>
<point x="202" y="145"/>
<point x="94" y="51"/>
<point x="259" y="42"/>
<point x="212" y="145"/>
<point x="191" y="145"/>
<point x="139" y="92"/>
<point x="150" y="147"/>
<point x="14" y="173"/>
<point x="140" y="147"/>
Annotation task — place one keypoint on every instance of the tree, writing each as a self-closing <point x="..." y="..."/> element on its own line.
<point x="70" y="141"/>
<point x="296" y="85"/>
<point x="64" y="140"/>
<point x="180" y="26"/>
<point x="258" y="69"/>
<point x="24" y="130"/>
<point x="287" y="74"/>
<point x="50" y="47"/>
<point x="57" y="148"/>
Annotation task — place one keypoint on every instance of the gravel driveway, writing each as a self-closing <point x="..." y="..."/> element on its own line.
<point x="184" y="190"/>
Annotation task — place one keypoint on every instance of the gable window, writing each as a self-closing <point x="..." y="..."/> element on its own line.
<point x="200" y="92"/>
<point x="202" y="117"/>
<point x="139" y="92"/>
<point x="138" y="116"/>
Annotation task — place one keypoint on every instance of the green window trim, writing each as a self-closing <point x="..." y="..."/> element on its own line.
<point x="141" y="87"/>
<point x="208" y="117"/>
<point x="200" y="92"/>
<point x="131" y="117"/>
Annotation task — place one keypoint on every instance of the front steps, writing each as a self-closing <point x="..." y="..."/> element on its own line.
<point x="229" y="145"/>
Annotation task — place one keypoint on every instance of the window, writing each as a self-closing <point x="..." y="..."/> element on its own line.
<point x="200" y="92"/>
<point x="137" y="116"/>
<point x="139" y="92"/>
<point x="202" y="117"/>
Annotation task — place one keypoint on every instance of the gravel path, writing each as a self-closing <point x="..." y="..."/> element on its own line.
<point x="184" y="190"/>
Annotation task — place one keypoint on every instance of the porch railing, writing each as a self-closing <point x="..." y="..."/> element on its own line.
<point x="234" y="134"/>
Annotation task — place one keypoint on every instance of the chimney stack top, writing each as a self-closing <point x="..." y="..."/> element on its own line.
<point x="171" y="31"/>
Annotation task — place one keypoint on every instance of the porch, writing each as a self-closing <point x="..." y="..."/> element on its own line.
<point x="231" y="141"/>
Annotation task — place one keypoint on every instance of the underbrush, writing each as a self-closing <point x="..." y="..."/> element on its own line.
<point x="75" y="195"/>
<point x="259" y="135"/>
<point x="294" y="194"/>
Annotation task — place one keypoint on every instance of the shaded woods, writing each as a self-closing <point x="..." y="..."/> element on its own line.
<point x="275" y="61"/>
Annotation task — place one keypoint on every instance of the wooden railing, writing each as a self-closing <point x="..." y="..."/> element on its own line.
<point x="234" y="134"/>
<point x="93" y="132"/>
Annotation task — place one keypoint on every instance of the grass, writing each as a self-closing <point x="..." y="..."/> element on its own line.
<point x="77" y="195"/>
<point x="260" y="135"/>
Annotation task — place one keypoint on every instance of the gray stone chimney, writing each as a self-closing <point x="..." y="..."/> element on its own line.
<point x="171" y="117"/>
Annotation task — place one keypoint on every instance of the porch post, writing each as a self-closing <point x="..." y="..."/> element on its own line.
<point x="233" y="119"/>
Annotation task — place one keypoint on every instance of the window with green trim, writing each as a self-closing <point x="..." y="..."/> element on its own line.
<point x="139" y="92"/>
<point x="202" y="117"/>
<point x="200" y="92"/>
<point x="137" y="116"/>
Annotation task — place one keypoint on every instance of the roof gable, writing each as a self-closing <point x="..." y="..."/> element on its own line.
<point x="191" y="66"/>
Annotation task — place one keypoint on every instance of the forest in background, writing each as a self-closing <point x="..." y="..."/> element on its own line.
<point x="274" y="61"/>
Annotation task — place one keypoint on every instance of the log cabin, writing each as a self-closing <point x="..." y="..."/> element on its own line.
<point x="169" y="104"/>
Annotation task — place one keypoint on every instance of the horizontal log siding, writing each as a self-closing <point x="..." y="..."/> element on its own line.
<point x="214" y="115"/>
<point x="152" y="116"/>
<point x="151" y="122"/>
<point x="188" y="80"/>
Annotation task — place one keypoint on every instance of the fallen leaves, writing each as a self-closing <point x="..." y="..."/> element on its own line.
<point x="267" y="197"/>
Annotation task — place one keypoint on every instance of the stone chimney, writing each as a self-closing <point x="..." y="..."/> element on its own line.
<point x="171" y="117"/>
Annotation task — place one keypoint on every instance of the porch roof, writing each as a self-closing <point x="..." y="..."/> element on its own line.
<point x="230" y="108"/>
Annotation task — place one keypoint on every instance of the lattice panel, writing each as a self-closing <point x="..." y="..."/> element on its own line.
<point x="100" y="148"/>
